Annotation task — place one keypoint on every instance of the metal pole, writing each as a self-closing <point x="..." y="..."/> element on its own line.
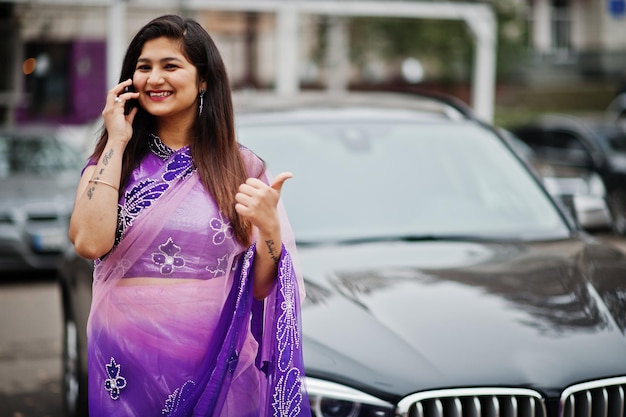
<point x="483" y="25"/>
<point x="337" y="55"/>
<point x="287" y="74"/>
<point x="116" y="40"/>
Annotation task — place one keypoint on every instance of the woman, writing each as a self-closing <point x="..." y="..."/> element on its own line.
<point x="196" y="299"/>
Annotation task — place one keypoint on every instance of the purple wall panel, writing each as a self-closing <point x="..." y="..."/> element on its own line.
<point x="88" y="79"/>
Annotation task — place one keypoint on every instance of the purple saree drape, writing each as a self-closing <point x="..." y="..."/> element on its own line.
<point x="193" y="347"/>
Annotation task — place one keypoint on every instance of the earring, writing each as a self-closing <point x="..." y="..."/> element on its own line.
<point x="201" y="95"/>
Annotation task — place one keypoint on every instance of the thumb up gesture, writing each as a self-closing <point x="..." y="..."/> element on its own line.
<point x="257" y="201"/>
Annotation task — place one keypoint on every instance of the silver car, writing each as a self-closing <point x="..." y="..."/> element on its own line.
<point x="38" y="178"/>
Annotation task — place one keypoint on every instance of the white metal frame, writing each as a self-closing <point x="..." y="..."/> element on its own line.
<point x="479" y="18"/>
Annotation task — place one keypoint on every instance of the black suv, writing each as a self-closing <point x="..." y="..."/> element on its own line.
<point x="442" y="279"/>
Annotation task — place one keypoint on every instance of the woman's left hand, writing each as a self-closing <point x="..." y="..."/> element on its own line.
<point x="257" y="201"/>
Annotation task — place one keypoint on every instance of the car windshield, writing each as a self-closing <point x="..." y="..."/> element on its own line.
<point x="386" y="180"/>
<point x="35" y="154"/>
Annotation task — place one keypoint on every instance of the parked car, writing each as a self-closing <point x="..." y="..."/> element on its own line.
<point x="442" y="278"/>
<point x="616" y="110"/>
<point x="582" y="193"/>
<point x="585" y="148"/>
<point x="38" y="178"/>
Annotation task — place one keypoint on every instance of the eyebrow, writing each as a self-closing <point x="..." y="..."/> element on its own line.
<point x="166" y="59"/>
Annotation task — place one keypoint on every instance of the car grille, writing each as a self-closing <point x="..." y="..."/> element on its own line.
<point x="43" y="217"/>
<point x="473" y="402"/>
<point x="602" y="398"/>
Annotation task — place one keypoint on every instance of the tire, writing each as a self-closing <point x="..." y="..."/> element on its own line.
<point x="74" y="398"/>
<point x="617" y="206"/>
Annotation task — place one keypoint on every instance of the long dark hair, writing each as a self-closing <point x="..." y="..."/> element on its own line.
<point x="214" y="149"/>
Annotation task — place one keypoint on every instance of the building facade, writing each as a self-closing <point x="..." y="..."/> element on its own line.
<point x="57" y="56"/>
<point x="583" y="38"/>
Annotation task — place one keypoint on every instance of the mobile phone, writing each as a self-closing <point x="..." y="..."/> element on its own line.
<point x="130" y="103"/>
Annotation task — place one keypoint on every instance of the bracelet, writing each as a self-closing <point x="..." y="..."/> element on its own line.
<point x="105" y="183"/>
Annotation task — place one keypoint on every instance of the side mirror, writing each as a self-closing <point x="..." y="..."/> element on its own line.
<point x="590" y="212"/>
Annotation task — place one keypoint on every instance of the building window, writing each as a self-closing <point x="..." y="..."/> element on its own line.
<point x="46" y="83"/>
<point x="561" y="24"/>
<point x="64" y="82"/>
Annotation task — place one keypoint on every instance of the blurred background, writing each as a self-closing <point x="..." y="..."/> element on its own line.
<point x="511" y="61"/>
<point x="60" y="56"/>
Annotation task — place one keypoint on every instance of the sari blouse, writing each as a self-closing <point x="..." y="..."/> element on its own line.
<point x="196" y="240"/>
<point x="203" y="347"/>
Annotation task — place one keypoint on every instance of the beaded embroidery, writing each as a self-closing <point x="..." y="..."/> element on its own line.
<point x="144" y="193"/>
<point x="223" y="230"/>
<point x="115" y="382"/>
<point x="287" y="395"/>
<point x="167" y="257"/>
<point x="220" y="269"/>
<point x="158" y="148"/>
<point x="176" y="401"/>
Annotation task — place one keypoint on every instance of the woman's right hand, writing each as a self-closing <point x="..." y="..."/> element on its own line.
<point x="94" y="218"/>
<point x="118" y="125"/>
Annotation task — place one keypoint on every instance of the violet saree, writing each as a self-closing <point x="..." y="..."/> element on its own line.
<point x="190" y="347"/>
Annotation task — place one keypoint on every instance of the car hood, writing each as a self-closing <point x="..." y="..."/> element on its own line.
<point x="395" y="318"/>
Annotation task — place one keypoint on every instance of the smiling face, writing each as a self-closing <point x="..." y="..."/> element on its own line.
<point x="167" y="81"/>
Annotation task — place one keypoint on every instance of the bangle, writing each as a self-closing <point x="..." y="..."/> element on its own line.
<point x="105" y="183"/>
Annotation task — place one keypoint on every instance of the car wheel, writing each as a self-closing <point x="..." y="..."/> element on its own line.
<point x="73" y="404"/>
<point x="617" y="205"/>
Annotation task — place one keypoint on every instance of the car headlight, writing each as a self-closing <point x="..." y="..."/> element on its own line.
<point x="329" y="399"/>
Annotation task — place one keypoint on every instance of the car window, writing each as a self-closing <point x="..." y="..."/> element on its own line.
<point x="39" y="155"/>
<point x="566" y="147"/>
<point x="557" y="146"/>
<point x="376" y="179"/>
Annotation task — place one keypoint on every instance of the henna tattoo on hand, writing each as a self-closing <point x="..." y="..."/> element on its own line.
<point x="272" y="251"/>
